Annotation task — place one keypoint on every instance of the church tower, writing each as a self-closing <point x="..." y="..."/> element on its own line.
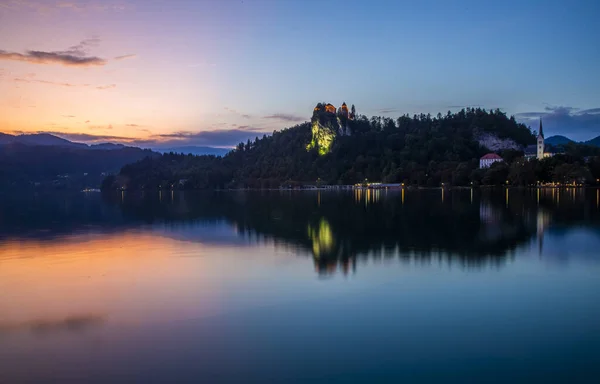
<point x="540" y="142"/>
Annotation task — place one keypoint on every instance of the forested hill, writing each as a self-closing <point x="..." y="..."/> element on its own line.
<point x="49" y="166"/>
<point x="422" y="149"/>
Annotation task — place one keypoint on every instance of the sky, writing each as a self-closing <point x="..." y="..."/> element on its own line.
<point x="217" y="72"/>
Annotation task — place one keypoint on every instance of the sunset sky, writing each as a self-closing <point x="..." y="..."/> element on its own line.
<point x="216" y="72"/>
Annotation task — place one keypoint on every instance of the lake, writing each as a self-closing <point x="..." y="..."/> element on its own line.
<point x="293" y="287"/>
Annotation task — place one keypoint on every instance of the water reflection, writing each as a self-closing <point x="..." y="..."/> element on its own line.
<point x="183" y="286"/>
<point x="468" y="227"/>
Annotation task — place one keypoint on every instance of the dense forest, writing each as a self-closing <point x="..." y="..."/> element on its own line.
<point x="420" y="150"/>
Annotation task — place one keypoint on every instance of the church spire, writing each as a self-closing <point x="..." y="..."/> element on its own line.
<point x="541" y="129"/>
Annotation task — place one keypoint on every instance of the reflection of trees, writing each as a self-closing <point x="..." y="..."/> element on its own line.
<point x="473" y="228"/>
<point x="341" y="228"/>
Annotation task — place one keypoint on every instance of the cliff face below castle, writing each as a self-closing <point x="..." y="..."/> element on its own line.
<point x="494" y="143"/>
<point x="326" y="125"/>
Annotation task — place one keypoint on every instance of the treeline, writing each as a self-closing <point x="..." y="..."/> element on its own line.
<point x="420" y="150"/>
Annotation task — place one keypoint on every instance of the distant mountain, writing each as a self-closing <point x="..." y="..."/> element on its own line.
<point x="558" y="140"/>
<point x="108" y="146"/>
<point x="39" y="139"/>
<point x="6" y="138"/>
<point x="194" y="150"/>
<point x="46" y="139"/>
<point x="62" y="166"/>
<point x="595" y="142"/>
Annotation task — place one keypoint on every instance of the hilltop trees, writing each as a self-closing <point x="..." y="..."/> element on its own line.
<point x="419" y="150"/>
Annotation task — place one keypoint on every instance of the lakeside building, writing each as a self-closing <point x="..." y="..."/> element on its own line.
<point x="487" y="160"/>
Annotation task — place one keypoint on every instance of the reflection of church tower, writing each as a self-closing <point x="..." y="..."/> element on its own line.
<point x="540" y="142"/>
<point x="542" y="220"/>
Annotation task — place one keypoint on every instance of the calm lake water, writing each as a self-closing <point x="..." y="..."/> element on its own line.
<point x="293" y="287"/>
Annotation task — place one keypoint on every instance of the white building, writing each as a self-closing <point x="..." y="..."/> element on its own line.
<point x="489" y="159"/>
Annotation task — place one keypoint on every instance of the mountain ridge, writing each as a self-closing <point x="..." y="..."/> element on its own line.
<point x="48" y="139"/>
<point x="556" y="140"/>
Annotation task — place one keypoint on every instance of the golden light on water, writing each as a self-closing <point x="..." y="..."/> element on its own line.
<point x="123" y="278"/>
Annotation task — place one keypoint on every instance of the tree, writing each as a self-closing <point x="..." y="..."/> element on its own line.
<point x="522" y="172"/>
<point x="571" y="173"/>
<point x="497" y="174"/>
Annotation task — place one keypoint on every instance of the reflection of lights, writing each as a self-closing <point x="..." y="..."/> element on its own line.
<point x="442" y="193"/>
<point x="402" y="196"/>
<point x="506" y="197"/>
<point x="321" y="237"/>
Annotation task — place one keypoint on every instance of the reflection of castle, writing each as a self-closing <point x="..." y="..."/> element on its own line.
<point x="326" y="256"/>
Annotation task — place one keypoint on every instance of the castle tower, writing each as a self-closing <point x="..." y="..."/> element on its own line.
<point x="540" y="142"/>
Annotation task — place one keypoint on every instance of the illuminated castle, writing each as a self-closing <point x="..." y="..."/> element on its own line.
<point x="327" y="123"/>
<point x="341" y="111"/>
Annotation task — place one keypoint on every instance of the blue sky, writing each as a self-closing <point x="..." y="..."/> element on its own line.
<point x="217" y="72"/>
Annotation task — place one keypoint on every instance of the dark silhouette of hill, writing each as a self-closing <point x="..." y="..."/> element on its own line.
<point x="558" y="140"/>
<point x="422" y="150"/>
<point x="61" y="166"/>
<point x="595" y="141"/>
<point x="39" y="139"/>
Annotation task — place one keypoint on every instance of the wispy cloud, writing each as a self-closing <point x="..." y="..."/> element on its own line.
<point x="131" y="125"/>
<point x="573" y="122"/>
<point x="385" y="111"/>
<point x="74" y="56"/>
<point x="124" y="57"/>
<point x="20" y="80"/>
<point x="68" y="116"/>
<point x="61" y="84"/>
<point x="41" y="57"/>
<point x="235" y="112"/>
<point x="285" y="117"/>
<point x="107" y="86"/>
